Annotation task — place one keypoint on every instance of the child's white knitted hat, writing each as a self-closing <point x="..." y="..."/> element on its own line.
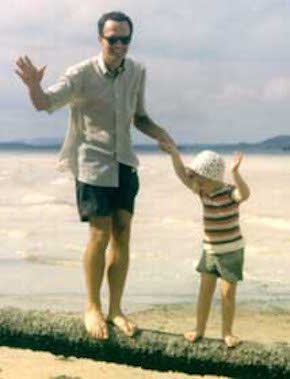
<point x="209" y="164"/>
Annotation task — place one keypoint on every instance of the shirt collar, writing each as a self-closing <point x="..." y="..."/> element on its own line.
<point x="104" y="68"/>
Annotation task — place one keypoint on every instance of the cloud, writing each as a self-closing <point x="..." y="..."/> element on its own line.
<point x="234" y="92"/>
<point x="215" y="69"/>
<point x="277" y="89"/>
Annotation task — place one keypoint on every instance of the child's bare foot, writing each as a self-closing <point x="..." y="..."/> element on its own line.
<point x="126" y="326"/>
<point x="95" y="323"/>
<point x="231" y="341"/>
<point x="193" y="336"/>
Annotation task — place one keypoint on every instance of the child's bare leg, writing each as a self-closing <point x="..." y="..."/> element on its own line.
<point x="228" y="292"/>
<point x="206" y="291"/>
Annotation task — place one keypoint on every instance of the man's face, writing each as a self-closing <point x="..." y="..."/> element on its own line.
<point x="115" y="50"/>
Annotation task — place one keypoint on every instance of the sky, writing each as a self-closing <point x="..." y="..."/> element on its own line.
<point x="218" y="71"/>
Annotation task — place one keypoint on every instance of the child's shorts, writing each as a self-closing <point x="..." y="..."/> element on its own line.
<point x="228" y="267"/>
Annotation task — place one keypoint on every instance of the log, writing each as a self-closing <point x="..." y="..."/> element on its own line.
<point x="64" y="334"/>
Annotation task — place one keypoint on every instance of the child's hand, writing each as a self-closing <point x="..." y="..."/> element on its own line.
<point x="237" y="161"/>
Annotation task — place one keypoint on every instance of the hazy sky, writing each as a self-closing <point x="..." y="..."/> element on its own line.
<point x="218" y="70"/>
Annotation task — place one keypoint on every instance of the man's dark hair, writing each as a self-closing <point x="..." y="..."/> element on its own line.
<point x="114" y="16"/>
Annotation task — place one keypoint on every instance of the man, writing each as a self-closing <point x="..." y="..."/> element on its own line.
<point x="105" y="94"/>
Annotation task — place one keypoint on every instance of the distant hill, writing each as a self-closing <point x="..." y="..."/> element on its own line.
<point x="37" y="144"/>
<point x="276" y="144"/>
<point x="44" y="142"/>
<point x="280" y="143"/>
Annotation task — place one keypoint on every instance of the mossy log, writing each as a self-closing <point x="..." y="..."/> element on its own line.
<point x="64" y="334"/>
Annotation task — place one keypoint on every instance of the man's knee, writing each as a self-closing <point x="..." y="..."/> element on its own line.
<point x="99" y="232"/>
<point x="121" y="225"/>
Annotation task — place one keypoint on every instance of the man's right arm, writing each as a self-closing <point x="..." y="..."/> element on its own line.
<point x="31" y="77"/>
<point x="38" y="97"/>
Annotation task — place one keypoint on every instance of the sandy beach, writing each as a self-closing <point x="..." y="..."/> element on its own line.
<point x="48" y="259"/>
<point x="17" y="363"/>
<point x="251" y="324"/>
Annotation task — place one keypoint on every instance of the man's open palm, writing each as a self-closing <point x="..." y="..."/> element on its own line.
<point x="29" y="74"/>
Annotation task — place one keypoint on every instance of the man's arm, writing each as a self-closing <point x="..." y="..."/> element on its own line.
<point x="242" y="187"/>
<point x="31" y="77"/>
<point x="148" y="127"/>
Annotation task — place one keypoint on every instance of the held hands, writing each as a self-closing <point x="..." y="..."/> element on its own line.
<point x="238" y="157"/>
<point x="166" y="143"/>
<point x="29" y="74"/>
<point x="168" y="147"/>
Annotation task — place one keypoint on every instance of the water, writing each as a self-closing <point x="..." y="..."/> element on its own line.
<point x="42" y="240"/>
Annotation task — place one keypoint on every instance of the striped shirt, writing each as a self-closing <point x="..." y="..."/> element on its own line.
<point x="222" y="232"/>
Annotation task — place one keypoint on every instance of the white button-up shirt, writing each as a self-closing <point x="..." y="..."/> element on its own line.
<point x="102" y="106"/>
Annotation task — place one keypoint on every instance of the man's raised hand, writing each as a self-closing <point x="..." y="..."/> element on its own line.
<point x="29" y="74"/>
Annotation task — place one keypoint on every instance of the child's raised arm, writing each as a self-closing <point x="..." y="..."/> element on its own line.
<point x="180" y="169"/>
<point x="242" y="187"/>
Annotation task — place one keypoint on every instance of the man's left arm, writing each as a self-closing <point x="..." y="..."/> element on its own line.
<point x="150" y="129"/>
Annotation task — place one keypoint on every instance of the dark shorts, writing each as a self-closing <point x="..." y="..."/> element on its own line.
<point x="228" y="267"/>
<point x="95" y="201"/>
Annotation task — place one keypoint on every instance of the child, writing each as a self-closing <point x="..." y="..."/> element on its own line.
<point x="223" y="246"/>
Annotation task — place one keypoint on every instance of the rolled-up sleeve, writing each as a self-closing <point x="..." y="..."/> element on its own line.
<point x="64" y="92"/>
<point x="140" y="106"/>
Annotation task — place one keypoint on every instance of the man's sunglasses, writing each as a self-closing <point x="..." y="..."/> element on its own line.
<point x="113" y="40"/>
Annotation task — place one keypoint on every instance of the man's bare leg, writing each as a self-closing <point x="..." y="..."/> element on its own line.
<point x="207" y="288"/>
<point x="94" y="264"/>
<point x="228" y="292"/>
<point x="118" y="263"/>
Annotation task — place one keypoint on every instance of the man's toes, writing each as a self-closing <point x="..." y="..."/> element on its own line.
<point x="95" y="333"/>
<point x="131" y="327"/>
<point x="99" y="333"/>
<point x="232" y="341"/>
<point x="126" y="326"/>
<point x="105" y="332"/>
<point x="96" y="325"/>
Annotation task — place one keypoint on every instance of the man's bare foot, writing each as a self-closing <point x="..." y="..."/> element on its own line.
<point x="231" y="341"/>
<point x="126" y="326"/>
<point x="192" y="336"/>
<point x="95" y="323"/>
